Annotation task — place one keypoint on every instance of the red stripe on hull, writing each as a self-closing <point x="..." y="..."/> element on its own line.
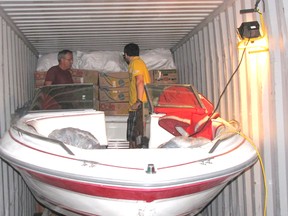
<point x="128" y="193"/>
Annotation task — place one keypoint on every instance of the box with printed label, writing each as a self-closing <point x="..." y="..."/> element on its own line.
<point x="113" y="108"/>
<point x="114" y="94"/>
<point x="117" y="79"/>
<point x="164" y="76"/>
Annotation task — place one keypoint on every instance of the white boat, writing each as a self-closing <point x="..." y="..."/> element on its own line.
<point x="92" y="172"/>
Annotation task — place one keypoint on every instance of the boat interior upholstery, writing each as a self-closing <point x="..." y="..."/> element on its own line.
<point x="104" y="128"/>
<point x="92" y="123"/>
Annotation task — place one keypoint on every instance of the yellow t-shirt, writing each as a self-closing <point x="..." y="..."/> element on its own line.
<point x="135" y="68"/>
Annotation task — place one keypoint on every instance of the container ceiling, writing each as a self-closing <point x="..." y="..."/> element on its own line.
<point x="105" y="24"/>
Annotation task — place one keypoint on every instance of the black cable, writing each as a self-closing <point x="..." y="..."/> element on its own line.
<point x="225" y="88"/>
<point x="263" y="5"/>
<point x="255" y="9"/>
<point x="231" y="78"/>
<point x="256" y="5"/>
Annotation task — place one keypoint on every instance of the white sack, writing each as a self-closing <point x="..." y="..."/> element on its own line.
<point x="110" y="61"/>
<point x="103" y="61"/>
<point x="157" y="59"/>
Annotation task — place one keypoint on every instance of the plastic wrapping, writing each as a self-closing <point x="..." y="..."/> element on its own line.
<point x="110" y="61"/>
<point x="157" y="59"/>
<point x="185" y="142"/>
<point x="104" y="61"/>
<point x="75" y="137"/>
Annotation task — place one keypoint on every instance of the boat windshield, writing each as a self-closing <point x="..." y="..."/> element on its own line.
<point x="172" y="95"/>
<point x="71" y="96"/>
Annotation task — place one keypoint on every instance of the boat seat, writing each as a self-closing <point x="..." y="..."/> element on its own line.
<point x="182" y="109"/>
<point x="170" y="124"/>
<point x="190" y="119"/>
<point x="158" y="135"/>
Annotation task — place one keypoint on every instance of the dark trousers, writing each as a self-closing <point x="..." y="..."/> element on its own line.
<point x="135" y="128"/>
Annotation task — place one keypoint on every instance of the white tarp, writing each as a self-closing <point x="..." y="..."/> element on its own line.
<point x="104" y="61"/>
<point x="110" y="61"/>
<point x="157" y="59"/>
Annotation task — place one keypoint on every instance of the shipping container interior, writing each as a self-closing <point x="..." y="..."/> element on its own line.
<point x="246" y="79"/>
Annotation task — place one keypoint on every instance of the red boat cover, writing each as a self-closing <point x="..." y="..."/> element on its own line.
<point x="191" y="116"/>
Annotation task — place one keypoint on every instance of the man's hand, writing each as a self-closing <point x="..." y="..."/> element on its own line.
<point x="136" y="105"/>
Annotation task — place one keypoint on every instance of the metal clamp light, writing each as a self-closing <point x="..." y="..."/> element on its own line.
<point x="252" y="32"/>
<point x="249" y="30"/>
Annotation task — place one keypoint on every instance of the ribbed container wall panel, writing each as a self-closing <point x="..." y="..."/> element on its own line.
<point x="17" y="64"/>
<point x="256" y="97"/>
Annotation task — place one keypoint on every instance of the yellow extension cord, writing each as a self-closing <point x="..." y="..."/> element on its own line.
<point x="259" y="157"/>
<point x="250" y="140"/>
<point x="262" y="168"/>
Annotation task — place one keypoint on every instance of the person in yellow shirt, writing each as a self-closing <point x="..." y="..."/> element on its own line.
<point x="138" y="77"/>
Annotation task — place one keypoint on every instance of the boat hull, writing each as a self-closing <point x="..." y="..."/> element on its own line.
<point x="108" y="182"/>
<point x="68" y="201"/>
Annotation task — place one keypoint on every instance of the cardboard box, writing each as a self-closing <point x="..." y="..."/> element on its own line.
<point x="77" y="79"/>
<point x="91" y="76"/>
<point x="39" y="78"/>
<point x="77" y="72"/>
<point x="119" y="79"/>
<point x="113" y="108"/>
<point x="114" y="94"/>
<point x="85" y="76"/>
<point x="39" y="83"/>
<point x="40" y="75"/>
<point x="96" y="93"/>
<point x="164" y="76"/>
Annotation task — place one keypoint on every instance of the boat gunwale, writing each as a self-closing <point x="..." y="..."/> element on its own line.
<point x="32" y="167"/>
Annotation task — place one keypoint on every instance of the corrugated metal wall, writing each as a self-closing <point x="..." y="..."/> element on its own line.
<point x="17" y="64"/>
<point x="257" y="97"/>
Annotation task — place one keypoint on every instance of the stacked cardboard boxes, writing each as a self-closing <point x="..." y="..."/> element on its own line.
<point x="114" y="93"/>
<point x="112" y="89"/>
